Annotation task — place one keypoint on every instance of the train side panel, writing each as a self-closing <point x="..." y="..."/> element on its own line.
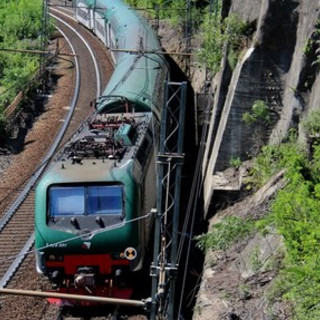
<point x="83" y="14"/>
<point x="101" y="28"/>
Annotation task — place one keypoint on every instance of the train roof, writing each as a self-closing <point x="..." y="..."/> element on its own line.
<point x="137" y="86"/>
<point x="109" y="136"/>
<point x="140" y="66"/>
<point x="105" y="142"/>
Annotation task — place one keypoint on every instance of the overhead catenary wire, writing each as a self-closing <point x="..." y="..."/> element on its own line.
<point x="142" y="51"/>
<point x="191" y="209"/>
<point x="82" y="236"/>
<point x="197" y="181"/>
<point x="42" y="52"/>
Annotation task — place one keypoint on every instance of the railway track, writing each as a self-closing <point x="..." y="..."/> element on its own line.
<point x="17" y="222"/>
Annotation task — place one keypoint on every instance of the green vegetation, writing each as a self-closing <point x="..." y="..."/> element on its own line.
<point x="173" y="10"/>
<point x="224" y="233"/>
<point x="312" y="44"/>
<point x="312" y="124"/>
<point x="259" y="113"/>
<point x="212" y="37"/>
<point x="20" y="28"/>
<point x="215" y="34"/>
<point x="244" y="292"/>
<point x="295" y="215"/>
<point x="255" y="261"/>
<point x="235" y="162"/>
<point x="274" y="158"/>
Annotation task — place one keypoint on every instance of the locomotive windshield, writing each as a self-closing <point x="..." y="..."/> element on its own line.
<point x="85" y="200"/>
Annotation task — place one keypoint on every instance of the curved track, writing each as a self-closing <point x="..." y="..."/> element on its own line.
<point x="18" y="220"/>
<point x="17" y="224"/>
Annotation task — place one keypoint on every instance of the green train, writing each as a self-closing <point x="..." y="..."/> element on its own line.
<point x="92" y="207"/>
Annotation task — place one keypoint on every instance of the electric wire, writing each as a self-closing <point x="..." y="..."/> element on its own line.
<point x="82" y="236"/>
<point x="197" y="180"/>
<point x="195" y="189"/>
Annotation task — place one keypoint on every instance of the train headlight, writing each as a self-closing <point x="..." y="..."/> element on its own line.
<point x="52" y="257"/>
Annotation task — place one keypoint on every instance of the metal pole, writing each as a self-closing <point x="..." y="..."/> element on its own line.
<point x="156" y="249"/>
<point x="188" y="35"/>
<point x="103" y="300"/>
<point x="176" y="211"/>
<point x="170" y="160"/>
<point x="44" y="36"/>
<point x="36" y="52"/>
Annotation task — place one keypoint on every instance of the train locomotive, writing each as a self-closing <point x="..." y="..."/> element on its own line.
<point x="92" y="206"/>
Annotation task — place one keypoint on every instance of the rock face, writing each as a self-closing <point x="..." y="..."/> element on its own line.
<point x="284" y="64"/>
<point x="281" y="69"/>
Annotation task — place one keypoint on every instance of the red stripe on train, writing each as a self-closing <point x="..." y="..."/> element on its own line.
<point x="71" y="263"/>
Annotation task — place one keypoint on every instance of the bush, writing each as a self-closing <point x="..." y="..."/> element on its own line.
<point x="273" y="158"/>
<point x="174" y="11"/>
<point x="20" y="28"/>
<point x="235" y="162"/>
<point x="312" y="124"/>
<point x="259" y="113"/>
<point x="224" y="233"/>
<point x="216" y="33"/>
<point x="212" y="37"/>
<point x="295" y="215"/>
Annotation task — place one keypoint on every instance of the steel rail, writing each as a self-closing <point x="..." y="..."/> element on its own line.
<point x="63" y="13"/>
<point x="8" y="215"/>
<point x="34" y="51"/>
<point x="17" y="262"/>
<point x="98" y="79"/>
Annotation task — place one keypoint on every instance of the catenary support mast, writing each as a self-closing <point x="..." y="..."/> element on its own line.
<point x="170" y="160"/>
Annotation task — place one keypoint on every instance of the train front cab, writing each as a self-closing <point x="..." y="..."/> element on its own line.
<point x="88" y="244"/>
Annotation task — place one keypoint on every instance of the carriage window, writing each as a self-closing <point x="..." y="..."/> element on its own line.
<point x="66" y="201"/>
<point x="85" y="200"/>
<point x="105" y="200"/>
